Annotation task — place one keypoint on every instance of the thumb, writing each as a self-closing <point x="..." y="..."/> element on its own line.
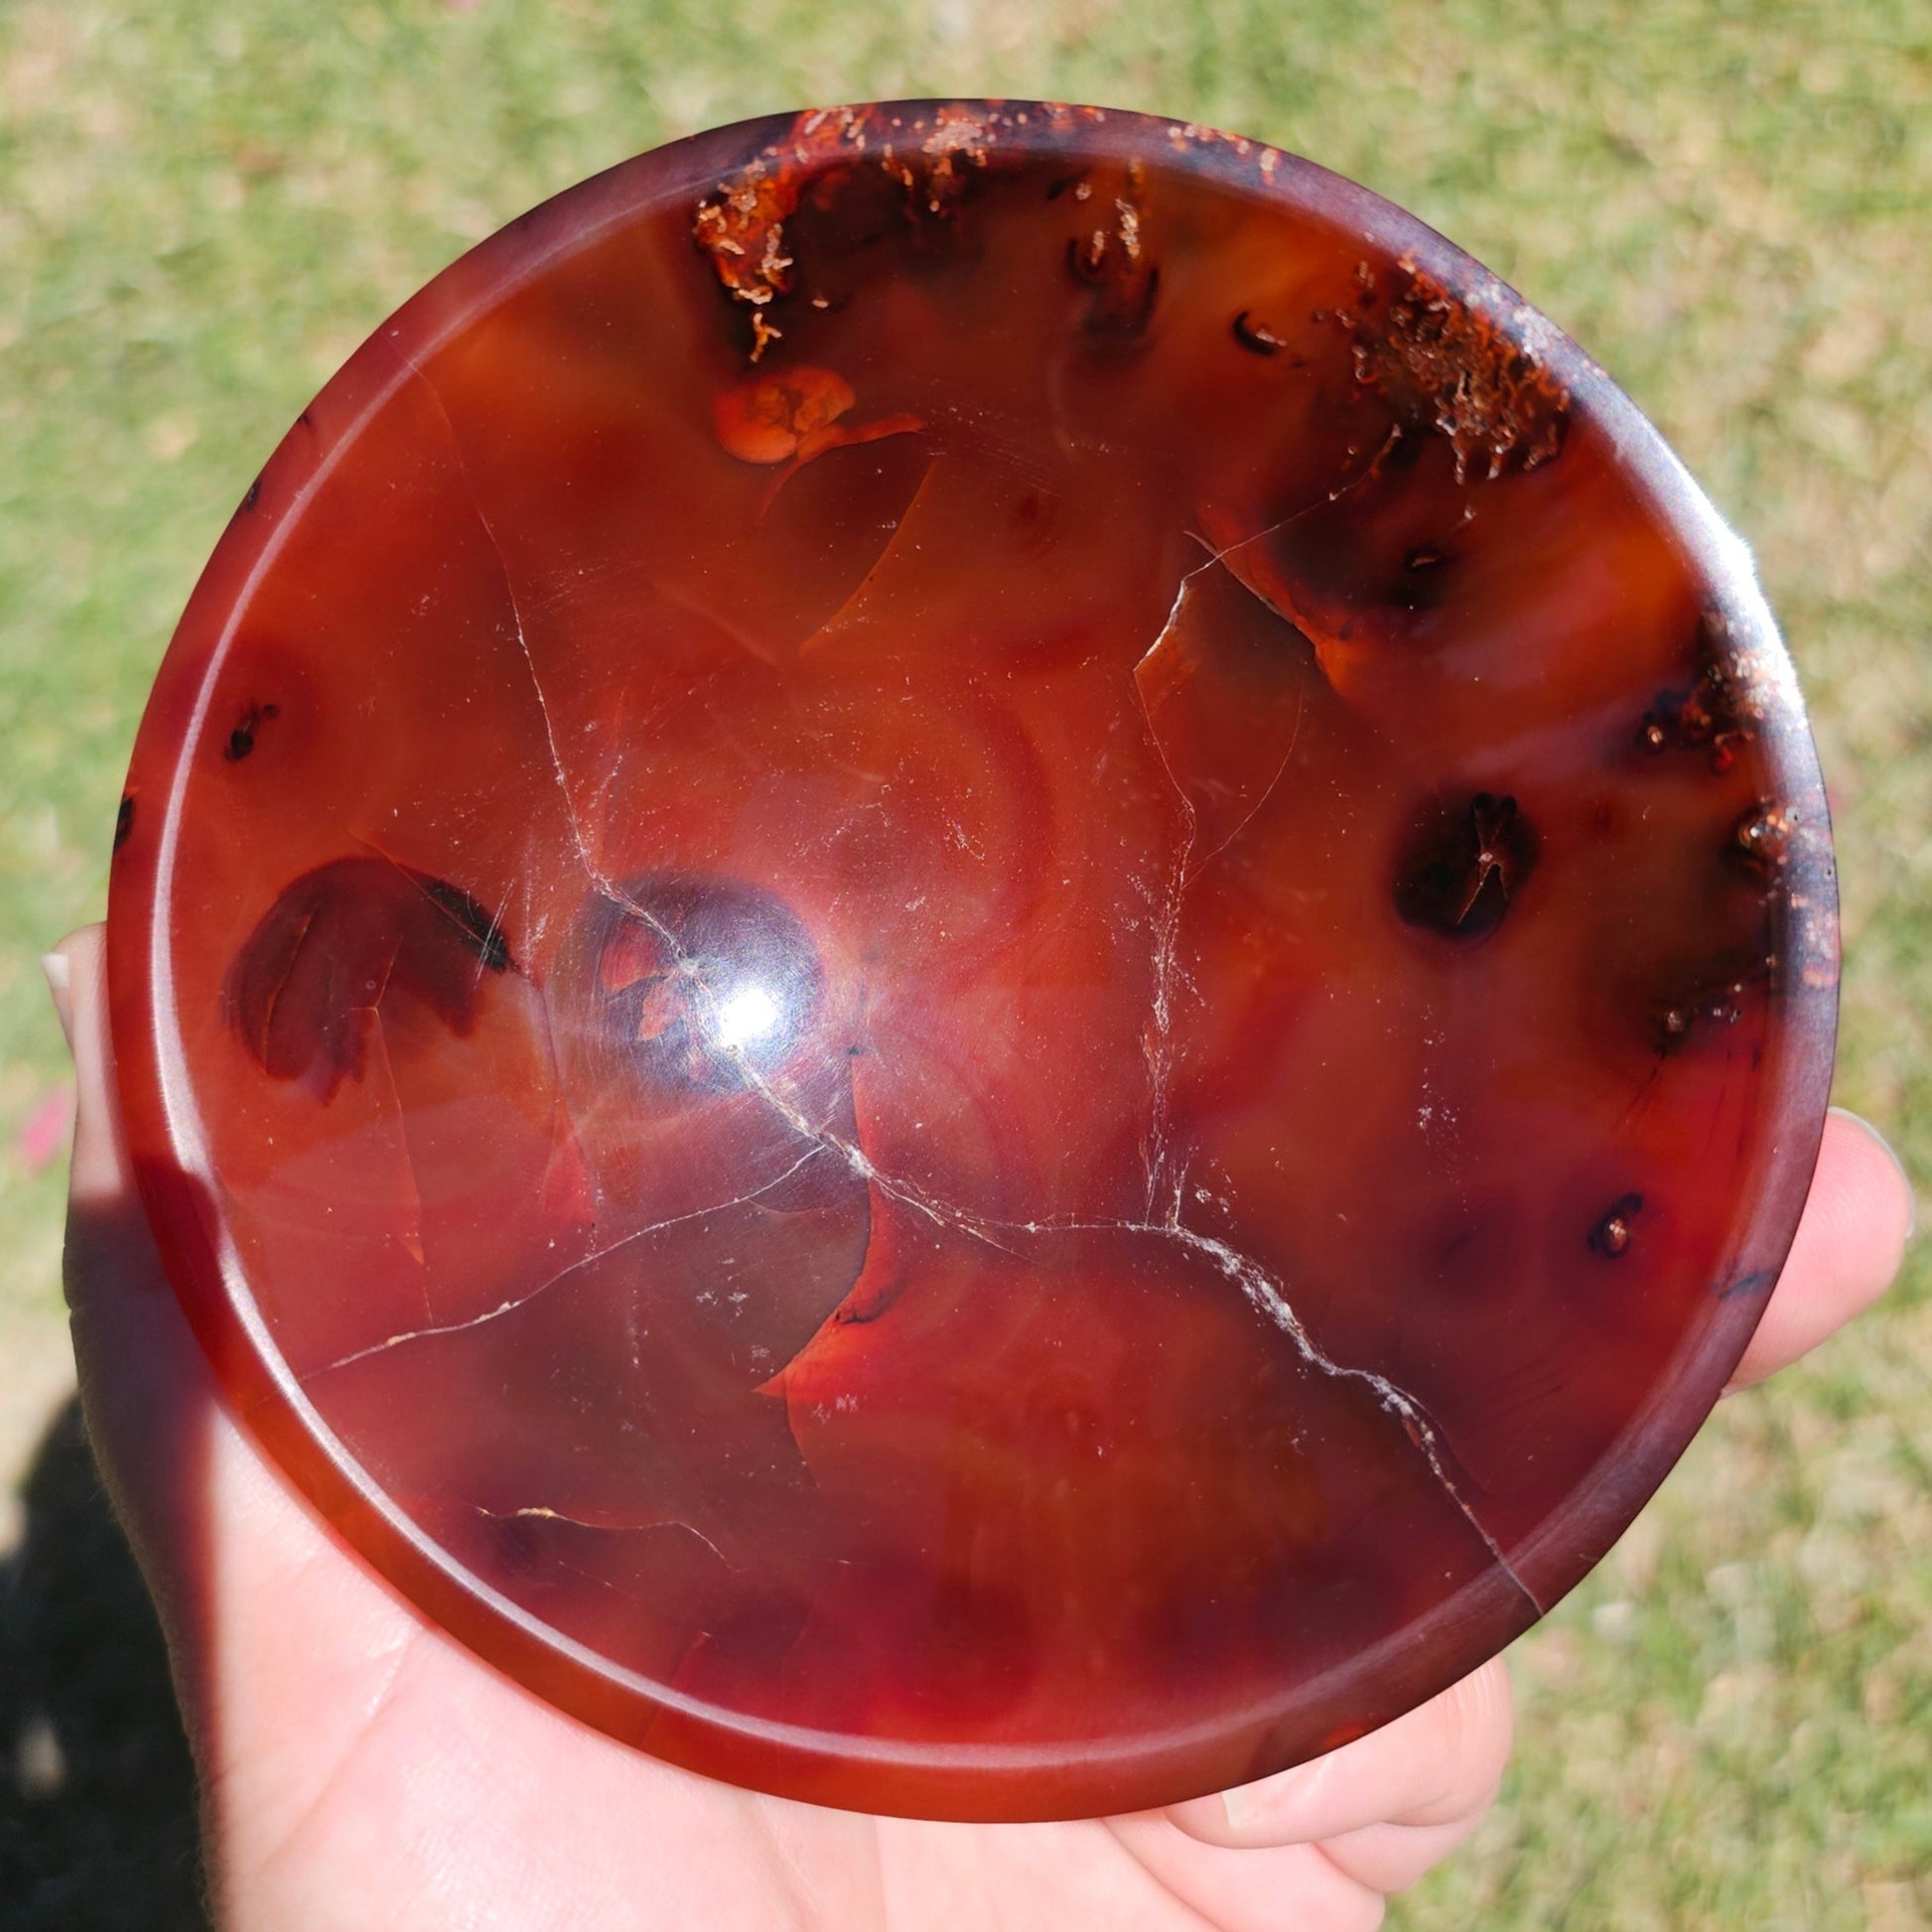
<point x="267" y="1620"/>
<point x="145" y="1390"/>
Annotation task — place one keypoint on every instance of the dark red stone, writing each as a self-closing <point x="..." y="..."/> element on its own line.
<point x="974" y="957"/>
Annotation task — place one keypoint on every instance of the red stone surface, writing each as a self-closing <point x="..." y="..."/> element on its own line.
<point x="974" y="958"/>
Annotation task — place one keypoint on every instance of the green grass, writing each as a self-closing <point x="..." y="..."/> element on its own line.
<point x="202" y="208"/>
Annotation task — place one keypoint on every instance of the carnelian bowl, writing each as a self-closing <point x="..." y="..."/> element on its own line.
<point x="974" y="957"/>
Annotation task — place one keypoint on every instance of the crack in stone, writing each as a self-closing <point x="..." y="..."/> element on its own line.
<point x="1261" y="1290"/>
<point x="591" y="871"/>
<point x="1265" y="1296"/>
<point x="273" y="1007"/>
<point x="563" y="1273"/>
<point x="412" y="1239"/>
<point x="479" y="945"/>
<point x="1268" y="791"/>
<point x="544" y="1513"/>
<point x="907" y="1192"/>
<point x="1157" y="1045"/>
<point x="688" y="968"/>
<point x="828" y="626"/>
<point x="1157" y="1036"/>
<point x="821" y="1139"/>
<point x="1316" y="632"/>
<point x="1157" y="1039"/>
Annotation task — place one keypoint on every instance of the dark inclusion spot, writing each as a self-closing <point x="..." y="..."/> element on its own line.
<point x="1717" y="999"/>
<point x="124" y="820"/>
<point x="702" y="984"/>
<point x="1760" y="841"/>
<point x="1710" y="716"/>
<point x="241" y="740"/>
<point x="1256" y="337"/>
<point x="1611" y="1236"/>
<point x="254" y="494"/>
<point x="1754" y="1282"/>
<point x="340" y="943"/>
<point x="1114" y="264"/>
<point x="1461" y="866"/>
<point x="1426" y="579"/>
<point x="1408" y="438"/>
<point x="476" y="925"/>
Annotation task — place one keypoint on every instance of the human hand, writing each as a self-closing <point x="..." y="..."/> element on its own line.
<point x="361" y="1770"/>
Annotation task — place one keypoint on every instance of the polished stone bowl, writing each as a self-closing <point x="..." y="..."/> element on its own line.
<point x="974" y="957"/>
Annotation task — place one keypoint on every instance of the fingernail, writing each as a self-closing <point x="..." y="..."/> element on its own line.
<point x="1250" y="1807"/>
<point x="1891" y="1154"/>
<point x="1241" y="1806"/>
<point x="60" y="982"/>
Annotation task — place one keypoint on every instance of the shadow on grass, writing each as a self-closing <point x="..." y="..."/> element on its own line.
<point x="97" y="1827"/>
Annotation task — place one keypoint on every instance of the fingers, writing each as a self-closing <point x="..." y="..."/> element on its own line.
<point x="1348" y="1829"/>
<point x="1436" y="1766"/>
<point x="140" y="1373"/>
<point x="1848" y="1245"/>
<point x="74" y="971"/>
<point x="265" y="1619"/>
<point x="1260" y="1889"/>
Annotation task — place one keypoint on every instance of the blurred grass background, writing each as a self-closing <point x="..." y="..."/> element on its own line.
<point x="204" y="206"/>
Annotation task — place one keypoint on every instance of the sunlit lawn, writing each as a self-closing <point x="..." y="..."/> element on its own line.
<point x="203" y="206"/>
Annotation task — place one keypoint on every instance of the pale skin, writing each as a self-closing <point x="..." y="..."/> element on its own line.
<point x="363" y="1771"/>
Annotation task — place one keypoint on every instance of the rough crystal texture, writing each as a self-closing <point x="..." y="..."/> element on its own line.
<point x="974" y="957"/>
